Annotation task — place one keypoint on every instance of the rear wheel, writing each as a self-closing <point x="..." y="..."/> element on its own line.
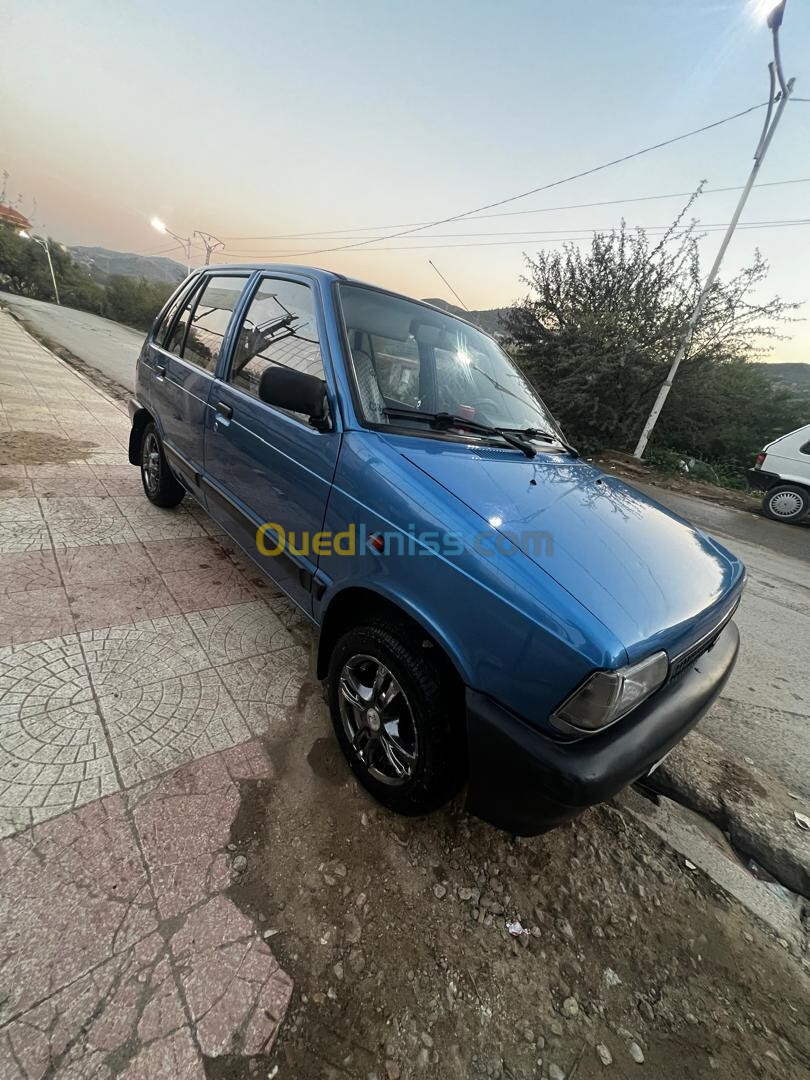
<point x="159" y="482"/>
<point x="397" y="716"/>
<point x="786" y="502"/>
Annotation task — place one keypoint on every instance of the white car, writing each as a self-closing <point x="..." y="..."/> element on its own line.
<point x="782" y="471"/>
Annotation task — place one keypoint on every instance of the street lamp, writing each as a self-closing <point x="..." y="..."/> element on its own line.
<point x="44" y="244"/>
<point x="185" y="242"/>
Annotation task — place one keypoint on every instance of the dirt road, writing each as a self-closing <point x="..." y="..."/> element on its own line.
<point x="394" y="932"/>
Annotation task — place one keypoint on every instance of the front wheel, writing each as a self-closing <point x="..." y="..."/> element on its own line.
<point x="786" y="502"/>
<point x="397" y="716"/>
<point x="159" y="482"/>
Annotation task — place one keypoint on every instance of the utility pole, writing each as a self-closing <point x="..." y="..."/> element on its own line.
<point x="768" y="129"/>
<point x="210" y="243"/>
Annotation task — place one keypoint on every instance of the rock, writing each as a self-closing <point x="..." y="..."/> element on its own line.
<point x="427" y="1039"/>
<point x="565" y="928"/>
<point x="611" y="978"/>
<point x="239" y="864"/>
<point x="338" y="970"/>
<point x="231" y="847"/>
<point x="465" y="894"/>
<point x="339" y="869"/>
<point x="528" y="1035"/>
<point x="353" y="929"/>
<point x="556" y="1028"/>
<point x="753" y="807"/>
<point x="604" y="1054"/>
<point x="646" y="1010"/>
<point x="270" y="933"/>
<point x="357" y="962"/>
<point x="555" y="1072"/>
<point x="570" y="1007"/>
<point x="392" y="1070"/>
<point x="439" y="892"/>
<point x="636" y="1053"/>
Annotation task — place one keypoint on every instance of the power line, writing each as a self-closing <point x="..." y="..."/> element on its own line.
<point x="584" y="234"/>
<point x="590" y="229"/>
<point x="325" y="233"/>
<point x="532" y="191"/>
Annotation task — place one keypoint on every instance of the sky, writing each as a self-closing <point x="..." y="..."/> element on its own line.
<point x="265" y="119"/>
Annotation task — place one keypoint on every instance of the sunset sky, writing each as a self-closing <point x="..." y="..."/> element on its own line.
<point x="263" y="119"/>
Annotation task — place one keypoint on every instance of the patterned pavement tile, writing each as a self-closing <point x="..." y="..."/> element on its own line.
<point x="76" y="521"/>
<point x="125" y="1014"/>
<point x="15" y="487"/>
<point x="112" y="563"/>
<point x="195" y="553"/>
<point x="74" y="893"/>
<point x="122" y="658"/>
<point x="62" y="486"/>
<point x="20" y="511"/>
<point x="34" y="615"/>
<point x="120" y="603"/>
<point x="150" y="522"/>
<point x="195" y="590"/>
<point x="18" y="536"/>
<point x="236" y="992"/>
<point x="157" y="727"/>
<point x="240" y="631"/>
<point x="263" y="687"/>
<point x="20" y="571"/>
<point x="124" y="486"/>
<point x="53" y="751"/>
<point x="231" y="981"/>
<point x="70" y="470"/>
<point x="106" y="457"/>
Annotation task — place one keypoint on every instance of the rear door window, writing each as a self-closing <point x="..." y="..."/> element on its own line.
<point x="198" y="330"/>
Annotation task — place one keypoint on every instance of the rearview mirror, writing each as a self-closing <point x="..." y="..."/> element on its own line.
<point x="297" y="392"/>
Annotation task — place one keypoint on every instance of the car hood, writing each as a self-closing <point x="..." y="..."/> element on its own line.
<point x="645" y="573"/>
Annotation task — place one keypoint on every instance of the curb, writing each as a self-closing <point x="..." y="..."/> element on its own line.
<point x="75" y="365"/>
<point x="752" y="807"/>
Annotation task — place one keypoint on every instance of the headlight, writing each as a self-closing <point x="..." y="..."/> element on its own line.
<point x="608" y="695"/>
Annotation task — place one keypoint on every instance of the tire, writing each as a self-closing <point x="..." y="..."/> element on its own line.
<point x="786" y="502"/>
<point x="159" y="483"/>
<point x="406" y="744"/>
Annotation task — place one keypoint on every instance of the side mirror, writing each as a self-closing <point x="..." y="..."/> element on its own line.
<point x="297" y="392"/>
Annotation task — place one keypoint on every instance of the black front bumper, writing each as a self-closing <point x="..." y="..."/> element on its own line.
<point x="762" y="481"/>
<point x="526" y="782"/>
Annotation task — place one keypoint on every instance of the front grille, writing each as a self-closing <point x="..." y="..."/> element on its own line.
<point x="680" y="664"/>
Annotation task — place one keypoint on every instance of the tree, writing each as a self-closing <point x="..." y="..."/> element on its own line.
<point x="598" y="330"/>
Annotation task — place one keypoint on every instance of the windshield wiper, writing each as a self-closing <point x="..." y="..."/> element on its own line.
<point x="536" y="433"/>
<point x="442" y="421"/>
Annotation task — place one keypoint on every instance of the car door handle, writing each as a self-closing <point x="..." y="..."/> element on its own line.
<point x="160" y="371"/>
<point x="224" y="411"/>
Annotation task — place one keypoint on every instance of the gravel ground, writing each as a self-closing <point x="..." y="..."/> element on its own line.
<point x="627" y="962"/>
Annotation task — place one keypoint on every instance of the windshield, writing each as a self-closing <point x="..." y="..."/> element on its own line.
<point x="408" y="356"/>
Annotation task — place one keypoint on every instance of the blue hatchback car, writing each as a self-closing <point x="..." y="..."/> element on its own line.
<point x="493" y="611"/>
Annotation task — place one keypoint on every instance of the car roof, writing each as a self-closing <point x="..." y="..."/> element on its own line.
<point x="327" y="276"/>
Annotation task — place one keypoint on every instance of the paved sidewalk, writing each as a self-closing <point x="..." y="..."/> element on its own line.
<point x="133" y="643"/>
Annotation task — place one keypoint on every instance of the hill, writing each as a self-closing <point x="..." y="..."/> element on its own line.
<point x="489" y="319"/>
<point x="796" y="376"/>
<point x="102" y="264"/>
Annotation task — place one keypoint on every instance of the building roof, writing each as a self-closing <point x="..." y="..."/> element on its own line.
<point x="13" y="218"/>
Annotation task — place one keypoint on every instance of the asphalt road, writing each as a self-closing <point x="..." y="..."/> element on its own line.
<point x="107" y="346"/>
<point x="764" y="713"/>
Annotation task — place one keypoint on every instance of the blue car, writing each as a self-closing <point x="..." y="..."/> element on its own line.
<point x="492" y="610"/>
